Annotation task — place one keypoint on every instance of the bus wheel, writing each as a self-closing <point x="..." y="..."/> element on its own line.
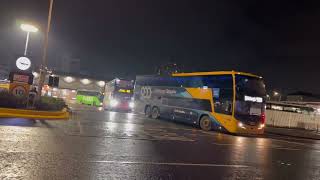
<point x="147" y="111"/>
<point x="205" y="123"/>
<point x="155" y="113"/>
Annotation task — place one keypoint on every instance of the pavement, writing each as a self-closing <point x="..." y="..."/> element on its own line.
<point x="299" y="133"/>
<point x="111" y="145"/>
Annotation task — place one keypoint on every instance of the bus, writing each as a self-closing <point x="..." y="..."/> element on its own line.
<point x="92" y="98"/>
<point x="228" y="101"/>
<point x="118" y="95"/>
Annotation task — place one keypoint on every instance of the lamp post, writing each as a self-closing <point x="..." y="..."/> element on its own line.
<point x="275" y="93"/>
<point x="43" y="67"/>
<point x="28" y="28"/>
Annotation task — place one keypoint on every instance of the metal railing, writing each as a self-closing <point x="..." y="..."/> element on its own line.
<point x="292" y="120"/>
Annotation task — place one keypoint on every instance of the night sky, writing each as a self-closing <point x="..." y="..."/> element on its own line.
<point x="279" y="40"/>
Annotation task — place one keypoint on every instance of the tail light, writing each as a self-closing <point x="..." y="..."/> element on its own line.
<point x="263" y="118"/>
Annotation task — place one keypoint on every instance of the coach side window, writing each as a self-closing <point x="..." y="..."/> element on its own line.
<point x="196" y="81"/>
<point x="222" y="87"/>
<point x="189" y="82"/>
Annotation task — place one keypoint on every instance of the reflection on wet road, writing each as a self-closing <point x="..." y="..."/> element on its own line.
<point x="113" y="145"/>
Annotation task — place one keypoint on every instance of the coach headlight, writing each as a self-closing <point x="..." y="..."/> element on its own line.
<point x="241" y="125"/>
<point x="114" y="103"/>
<point x="261" y="126"/>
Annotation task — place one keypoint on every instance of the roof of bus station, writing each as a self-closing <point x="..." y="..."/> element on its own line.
<point x="215" y="73"/>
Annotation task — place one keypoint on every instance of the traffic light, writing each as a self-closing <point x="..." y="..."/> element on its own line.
<point x="53" y="81"/>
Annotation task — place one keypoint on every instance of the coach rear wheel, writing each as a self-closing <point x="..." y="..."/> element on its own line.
<point x="205" y="123"/>
<point x="147" y="111"/>
<point x="155" y="113"/>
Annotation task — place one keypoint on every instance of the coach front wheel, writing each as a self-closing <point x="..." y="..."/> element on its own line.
<point x="155" y="113"/>
<point x="205" y="123"/>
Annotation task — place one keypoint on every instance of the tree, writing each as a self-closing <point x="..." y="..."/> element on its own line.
<point x="168" y="69"/>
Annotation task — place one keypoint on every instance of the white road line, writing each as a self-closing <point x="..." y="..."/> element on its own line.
<point x="290" y="142"/>
<point x="78" y="124"/>
<point x="172" y="164"/>
<point x="289" y="149"/>
<point x="222" y="144"/>
<point x="280" y="148"/>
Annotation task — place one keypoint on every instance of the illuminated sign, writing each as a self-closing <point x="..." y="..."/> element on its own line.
<point x="124" y="90"/>
<point x="253" y="99"/>
<point x="20" y="78"/>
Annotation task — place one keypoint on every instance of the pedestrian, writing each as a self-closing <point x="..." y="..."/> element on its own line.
<point x="32" y="97"/>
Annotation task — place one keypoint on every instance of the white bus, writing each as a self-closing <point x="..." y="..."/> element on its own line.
<point x="118" y="95"/>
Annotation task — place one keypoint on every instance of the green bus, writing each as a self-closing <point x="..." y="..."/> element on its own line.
<point x="92" y="98"/>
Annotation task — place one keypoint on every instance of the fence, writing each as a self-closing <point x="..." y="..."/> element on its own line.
<point x="292" y="120"/>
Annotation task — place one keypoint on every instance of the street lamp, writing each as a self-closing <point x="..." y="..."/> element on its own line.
<point x="268" y="97"/>
<point x="43" y="68"/>
<point x="275" y="93"/>
<point x="28" y="28"/>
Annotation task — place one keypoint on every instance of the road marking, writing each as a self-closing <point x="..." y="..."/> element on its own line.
<point x="280" y="148"/>
<point x="172" y="164"/>
<point x="78" y="123"/>
<point x="289" y="149"/>
<point x="222" y="144"/>
<point x="290" y="142"/>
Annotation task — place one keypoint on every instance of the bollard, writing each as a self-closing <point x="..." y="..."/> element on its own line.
<point x="273" y="122"/>
<point x="289" y="120"/>
<point x="317" y="122"/>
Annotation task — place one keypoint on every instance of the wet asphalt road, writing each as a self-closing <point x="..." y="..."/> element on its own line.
<point x="112" y="145"/>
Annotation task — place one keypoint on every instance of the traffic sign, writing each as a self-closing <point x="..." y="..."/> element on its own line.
<point x="21" y="77"/>
<point x="19" y="89"/>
